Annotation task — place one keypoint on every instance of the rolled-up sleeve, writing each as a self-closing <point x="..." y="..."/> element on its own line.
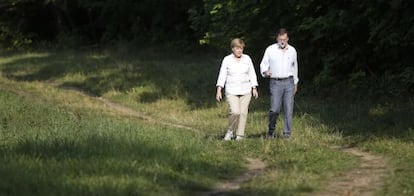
<point x="252" y="75"/>
<point x="264" y="65"/>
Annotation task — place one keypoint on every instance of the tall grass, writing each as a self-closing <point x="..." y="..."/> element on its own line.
<point x="70" y="151"/>
<point x="47" y="150"/>
<point x="384" y="128"/>
<point x="61" y="142"/>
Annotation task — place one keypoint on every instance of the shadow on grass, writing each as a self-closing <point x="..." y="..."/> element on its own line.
<point x="102" y="166"/>
<point x="169" y="76"/>
<point x="275" y="191"/>
<point x="363" y="120"/>
<point x="357" y="120"/>
<point x="192" y="77"/>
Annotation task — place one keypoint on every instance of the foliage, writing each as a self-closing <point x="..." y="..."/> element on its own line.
<point x="98" y="21"/>
<point x="335" y="40"/>
<point x="58" y="141"/>
<point x="344" y="43"/>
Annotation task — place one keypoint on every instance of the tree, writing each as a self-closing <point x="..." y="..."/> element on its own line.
<point x="338" y="42"/>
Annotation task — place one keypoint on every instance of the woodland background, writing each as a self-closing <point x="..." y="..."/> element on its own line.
<point x="356" y="49"/>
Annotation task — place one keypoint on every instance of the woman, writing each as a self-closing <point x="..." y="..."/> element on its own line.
<point x="237" y="74"/>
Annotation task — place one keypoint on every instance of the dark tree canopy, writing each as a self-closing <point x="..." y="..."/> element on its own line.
<point x="346" y="42"/>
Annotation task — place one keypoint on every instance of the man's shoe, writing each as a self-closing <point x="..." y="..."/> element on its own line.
<point x="238" y="138"/>
<point x="228" y="135"/>
<point x="286" y="135"/>
<point x="270" y="136"/>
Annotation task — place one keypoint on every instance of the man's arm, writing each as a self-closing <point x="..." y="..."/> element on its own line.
<point x="295" y="72"/>
<point x="264" y="65"/>
<point x="295" y="69"/>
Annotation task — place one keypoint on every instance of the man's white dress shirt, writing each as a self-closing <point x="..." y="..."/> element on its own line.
<point x="282" y="63"/>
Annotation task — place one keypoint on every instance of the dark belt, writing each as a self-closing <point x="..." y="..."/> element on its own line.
<point x="282" y="78"/>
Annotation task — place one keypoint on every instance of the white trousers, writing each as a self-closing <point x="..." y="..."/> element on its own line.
<point x="239" y="107"/>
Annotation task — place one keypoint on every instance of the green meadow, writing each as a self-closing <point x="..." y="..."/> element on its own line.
<point x="58" y="138"/>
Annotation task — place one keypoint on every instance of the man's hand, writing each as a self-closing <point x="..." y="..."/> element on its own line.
<point x="267" y="74"/>
<point x="296" y="89"/>
<point x="255" y="93"/>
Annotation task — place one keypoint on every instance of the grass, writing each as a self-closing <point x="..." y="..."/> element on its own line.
<point x="381" y="128"/>
<point x="46" y="150"/>
<point x="60" y="142"/>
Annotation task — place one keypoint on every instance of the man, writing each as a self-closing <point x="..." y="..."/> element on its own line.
<point x="280" y="64"/>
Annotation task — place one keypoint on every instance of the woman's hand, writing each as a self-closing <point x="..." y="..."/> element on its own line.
<point x="218" y="94"/>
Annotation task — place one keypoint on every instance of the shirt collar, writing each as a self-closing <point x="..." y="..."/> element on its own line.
<point x="286" y="48"/>
<point x="234" y="57"/>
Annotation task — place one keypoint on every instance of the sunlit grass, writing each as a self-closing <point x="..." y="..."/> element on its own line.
<point x="81" y="151"/>
<point x="70" y="143"/>
<point x="22" y="57"/>
<point x="400" y="179"/>
<point x="80" y="136"/>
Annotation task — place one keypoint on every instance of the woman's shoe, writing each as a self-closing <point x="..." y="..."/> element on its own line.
<point x="228" y="135"/>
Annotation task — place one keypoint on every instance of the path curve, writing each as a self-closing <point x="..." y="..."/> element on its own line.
<point x="254" y="168"/>
<point x="124" y="109"/>
<point x="364" y="180"/>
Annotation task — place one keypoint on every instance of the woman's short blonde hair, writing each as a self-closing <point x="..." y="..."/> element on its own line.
<point x="237" y="42"/>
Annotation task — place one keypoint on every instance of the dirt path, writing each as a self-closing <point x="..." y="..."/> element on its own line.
<point x="364" y="180"/>
<point x="254" y="168"/>
<point x="124" y="109"/>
